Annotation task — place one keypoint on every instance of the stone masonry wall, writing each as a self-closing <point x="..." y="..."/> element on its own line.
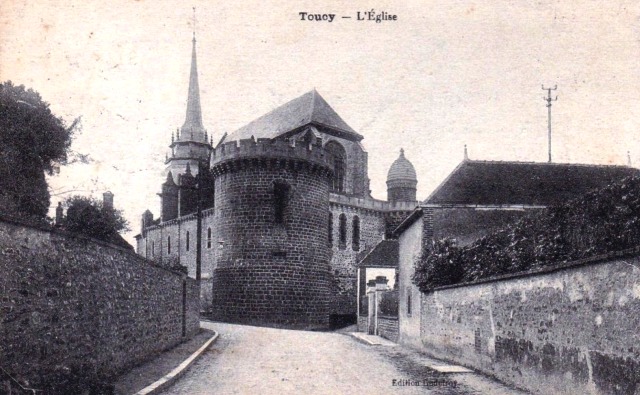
<point x="71" y="304"/>
<point x="153" y="246"/>
<point x="356" y="182"/>
<point x="343" y="256"/>
<point x="569" y="331"/>
<point x="388" y="328"/>
<point x="269" y="272"/>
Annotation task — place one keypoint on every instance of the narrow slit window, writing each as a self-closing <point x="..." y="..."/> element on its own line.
<point x="343" y="229"/>
<point x="209" y="238"/>
<point x="187" y="241"/>
<point x="281" y="198"/>
<point x="168" y="245"/>
<point x="355" y="240"/>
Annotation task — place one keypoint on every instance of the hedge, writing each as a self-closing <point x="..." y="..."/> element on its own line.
<point x="601" y="221"/>
<point x="389" y="303"/>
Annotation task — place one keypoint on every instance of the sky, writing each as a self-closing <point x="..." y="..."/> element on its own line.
<point x="444" y="74"/>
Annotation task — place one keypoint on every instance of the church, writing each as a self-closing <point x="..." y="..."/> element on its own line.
<point x="276" y="218"/>
<point x="279" y="209"/>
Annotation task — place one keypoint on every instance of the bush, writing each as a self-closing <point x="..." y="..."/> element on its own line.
<point x="90" y="217"/>
<point x="441" y="264"/>
<point x="389" y="303"/>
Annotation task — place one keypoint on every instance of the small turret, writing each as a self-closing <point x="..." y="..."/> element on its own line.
<point x="147" y="220"/>
<point x="169" y="198"/>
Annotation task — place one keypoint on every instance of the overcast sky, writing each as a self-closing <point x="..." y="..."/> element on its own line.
<point x="445" y="74"/>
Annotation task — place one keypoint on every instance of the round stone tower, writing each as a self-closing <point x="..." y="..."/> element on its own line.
<point x="271" y="210"/>
<point x="401" y="181"/>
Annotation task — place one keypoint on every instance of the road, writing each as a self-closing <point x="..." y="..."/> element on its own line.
<point x="254" y="360"/>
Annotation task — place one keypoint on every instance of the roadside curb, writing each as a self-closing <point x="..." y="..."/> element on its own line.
<point x="172" y="376"/>
<point x="364" y="340"/>
<point x="361" y="339"/>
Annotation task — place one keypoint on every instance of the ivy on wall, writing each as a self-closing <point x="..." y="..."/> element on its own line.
<point x="602" y="221"/>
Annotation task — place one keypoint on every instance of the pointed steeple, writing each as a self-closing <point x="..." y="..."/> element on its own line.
<point x="169" y="180"/>
<point x="193" y="120"/>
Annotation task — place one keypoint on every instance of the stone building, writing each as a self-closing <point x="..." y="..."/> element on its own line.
<point x="285" y="210"/>
<point x="477" y="198"/>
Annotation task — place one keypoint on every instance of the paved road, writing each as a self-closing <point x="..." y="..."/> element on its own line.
<point x="253" y="360"/>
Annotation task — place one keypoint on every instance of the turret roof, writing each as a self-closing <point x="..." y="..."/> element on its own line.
<point x="402" y="169"/>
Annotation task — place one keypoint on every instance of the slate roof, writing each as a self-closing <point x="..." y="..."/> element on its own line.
<point x="384" y="254"/>
<point x="309" y="108"/>
<point x="401" y="169"/>
<point x="527" y="183"/>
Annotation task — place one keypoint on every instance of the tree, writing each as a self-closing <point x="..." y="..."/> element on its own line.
<point x="92" y="218"/>
<point x="34" y="142"/>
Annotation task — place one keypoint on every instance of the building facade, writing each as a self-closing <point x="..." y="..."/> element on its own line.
<point x="476" y="199"/>
<point x="284" y="208"/>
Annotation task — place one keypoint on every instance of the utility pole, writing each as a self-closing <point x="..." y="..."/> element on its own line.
<point x="548" y="99"/>
<point x="199" y="181"/>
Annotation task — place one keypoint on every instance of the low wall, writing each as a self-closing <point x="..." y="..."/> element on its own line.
<point x="363" y="323"/>
<point x="571" y="330"/>
<point x="388" y="328"/>
<point x="75" y="307"/>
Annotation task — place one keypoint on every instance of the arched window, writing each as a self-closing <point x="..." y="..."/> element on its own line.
<point x="339" y="165"/>
<point x="343" y="230"/>
<point x="168" y="245"/>
<point x="330" y="229"/>
<point x="280" y="200"/>
<point x="355" y="236"/>
<point x="187" y="240"/>
<point x="209" y="238"/>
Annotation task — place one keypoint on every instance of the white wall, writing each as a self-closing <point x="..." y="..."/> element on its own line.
<point x="409" y="325"/>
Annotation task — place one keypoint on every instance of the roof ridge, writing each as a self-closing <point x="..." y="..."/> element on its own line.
<point x="313" y="104"/>
<point x="547" y="163"/>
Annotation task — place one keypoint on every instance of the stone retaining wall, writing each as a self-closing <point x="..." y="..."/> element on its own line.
<point x="388" y="328"/>
<point x="571" y="330"/>
<point x="72" y="306"/>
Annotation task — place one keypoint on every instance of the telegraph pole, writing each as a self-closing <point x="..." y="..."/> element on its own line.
<point x="199" y="186"/>
<point x="548" y="99"/>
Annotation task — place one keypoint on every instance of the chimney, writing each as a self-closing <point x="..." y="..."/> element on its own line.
<point x="59" y="214"/>
<point x="107" y="200"/>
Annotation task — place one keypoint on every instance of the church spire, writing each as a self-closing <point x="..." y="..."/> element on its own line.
<point x="193" y="120"/>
